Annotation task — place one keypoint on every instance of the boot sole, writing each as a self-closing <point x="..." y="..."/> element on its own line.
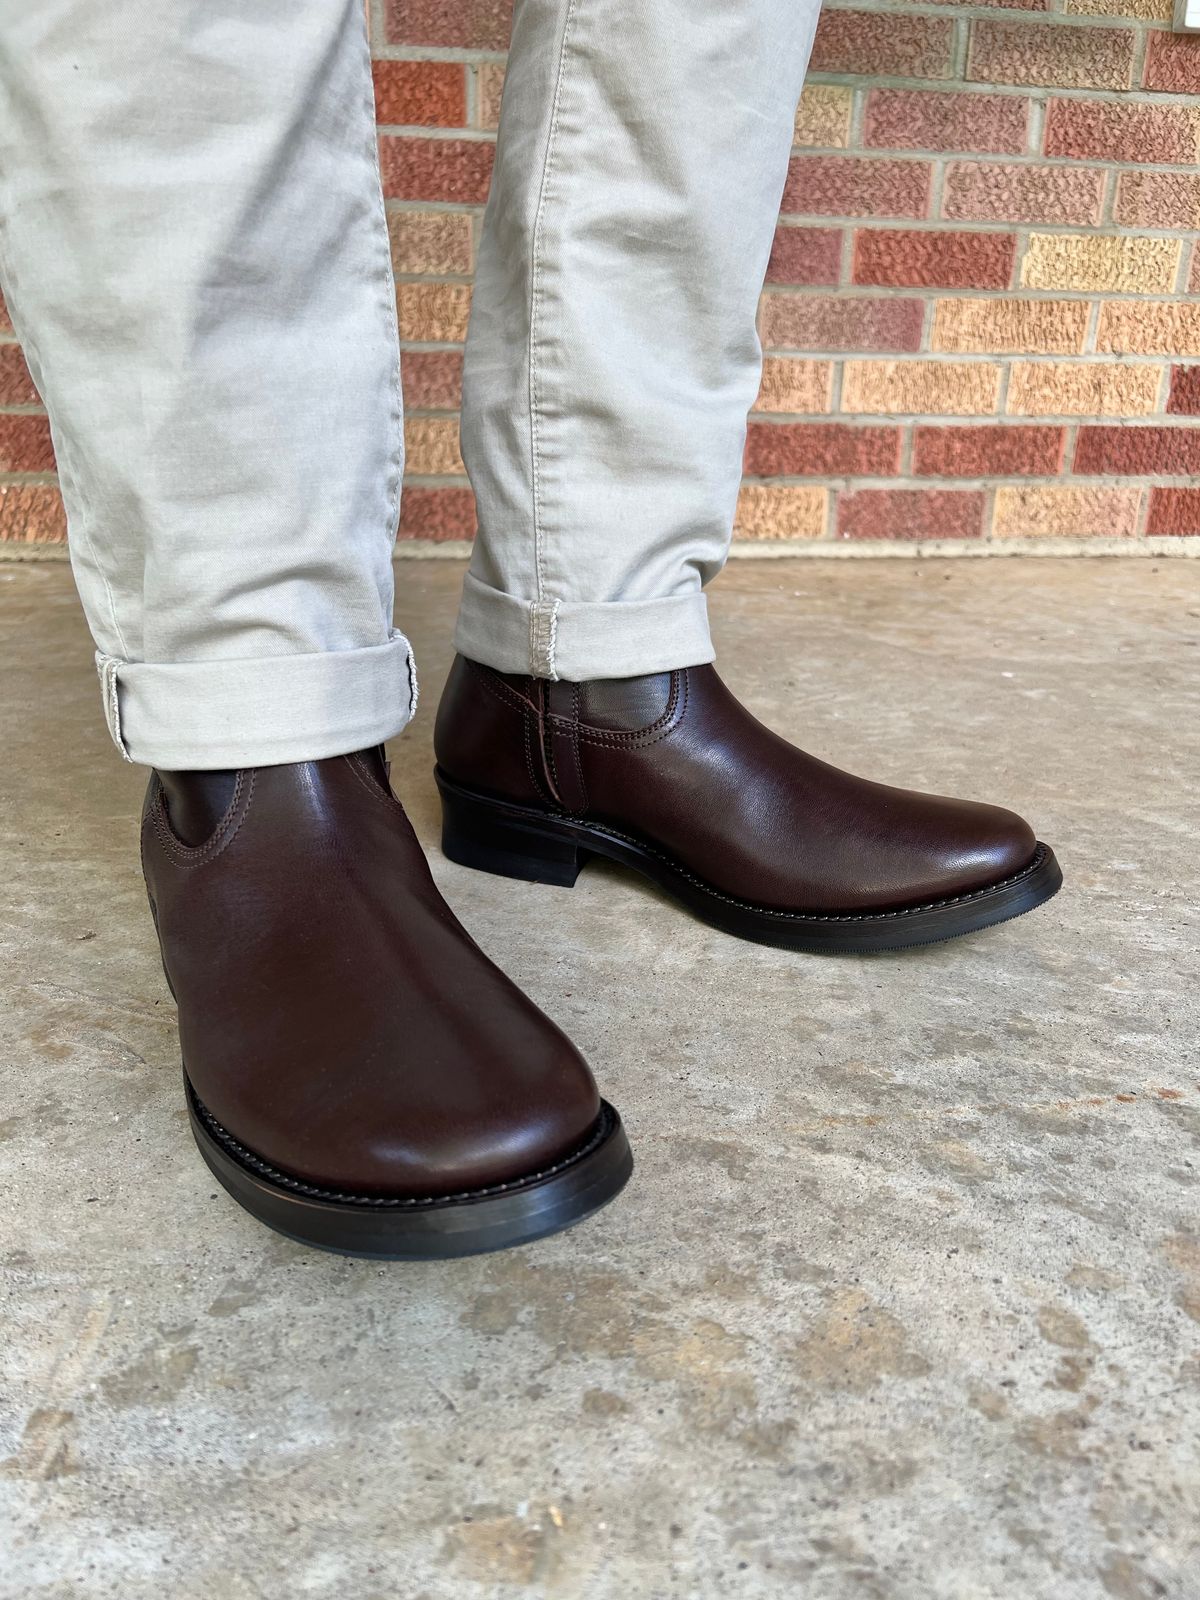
<point x="518" y="842"/>
<point x="389" y="1228"/>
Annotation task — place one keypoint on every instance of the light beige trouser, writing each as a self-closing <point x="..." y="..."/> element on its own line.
<point x="194" y="250"/>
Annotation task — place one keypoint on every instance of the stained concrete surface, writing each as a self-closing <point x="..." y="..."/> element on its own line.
<point x="903" y="1302"/>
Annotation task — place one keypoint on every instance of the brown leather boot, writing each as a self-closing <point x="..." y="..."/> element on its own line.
<point x="358" y="1074"/>
<point x="671" y="775"/>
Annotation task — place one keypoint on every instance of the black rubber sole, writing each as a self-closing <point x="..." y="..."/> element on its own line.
<point x="518" y="842"/>
<point x="395" y="1229"/>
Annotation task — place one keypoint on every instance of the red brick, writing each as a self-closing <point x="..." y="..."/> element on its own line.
<point x="436" y="169"/>
<point x="841" y="323"/>
<point x="437" y="513"/>
<point x="1172" y="63"/>
<point x="32" y="513"/>
<point x="993" y="191"/>
<point x="1107" y="130"/>
<point x="987" y="452"/>
<point x="904" y="257"/>
<point x="432" y="380"/>
<point x="1194" y="271"/>
<point x="420" y="94"/>
<point x="910" y="514"/>
<point x="1049" y="53"/>
<point x="1174" y="511"/>
<point x="883" y="44"/>
<point x="856" y="186"/>
<point x="930" y="119"/>
<point x="806" y="255"/>
<point x="1136" y="451"/>
<point x="1185" y="391"/>
<point x="454" y="24"/>
<point x="16" y="386"/>
<point x="821" y="450"/>
<point x="5" y="320"/>
<point x="1158" y="200"/>
<point x="25" y="444"/>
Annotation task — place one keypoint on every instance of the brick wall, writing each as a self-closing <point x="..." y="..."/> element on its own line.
<point x="982" y="319"/>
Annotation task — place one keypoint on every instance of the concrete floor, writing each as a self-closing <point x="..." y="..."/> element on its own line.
<point x="903" y="1302"/>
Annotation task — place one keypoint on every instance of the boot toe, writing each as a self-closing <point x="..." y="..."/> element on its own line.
<point x="512" y="1139"/>
<point x="479" y="1131"/>
<point x="993" y="845"/>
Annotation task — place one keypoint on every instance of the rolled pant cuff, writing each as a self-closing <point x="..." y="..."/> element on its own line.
<point x="578" y="640"/>
<point x="196" y="715"/>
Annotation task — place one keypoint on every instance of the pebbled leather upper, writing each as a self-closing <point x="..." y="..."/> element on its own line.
<point x="334" y="1015"/>
<point x="674" y="759"/>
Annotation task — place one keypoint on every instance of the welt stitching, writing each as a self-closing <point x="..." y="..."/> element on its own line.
<point x="247" y="1158"/>
<point x="817" y="916"/>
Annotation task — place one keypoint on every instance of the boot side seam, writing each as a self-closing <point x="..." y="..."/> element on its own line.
<point x="574" y="737"/>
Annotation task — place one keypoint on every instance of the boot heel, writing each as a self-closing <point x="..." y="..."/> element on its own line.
<point x="482" y="834"/>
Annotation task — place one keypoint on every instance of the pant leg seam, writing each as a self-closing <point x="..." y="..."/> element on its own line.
<point x="388" y="286"/>
<point x="539" y="661"/>
<point x="63" y="450"/>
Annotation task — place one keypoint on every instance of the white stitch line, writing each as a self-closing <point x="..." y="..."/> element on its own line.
<point x="388" y="282"/>
<point x="535" y="310"/>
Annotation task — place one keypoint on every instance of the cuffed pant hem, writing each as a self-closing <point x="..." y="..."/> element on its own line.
<point x="197" y="715"/>
<point x="579" y="640"/>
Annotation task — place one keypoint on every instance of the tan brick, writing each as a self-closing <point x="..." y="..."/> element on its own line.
<point x="800" y="386"/>
<point x="436" y="242"/>
<point x="433" y="313"/>
<point x="488" y="85"/>
<point x="939" y="388"/>
<point x="1149" y="327"/>
<point x="1129" y="264"/>
<point x="1083" y="389"/>
<point x="431" y="447"/>
<point x="780" y="511"/>
<point x="1145" y="10"/>
<point x="823" y="116"/>
<point x="1066" y="512"/>
<point x="1039" y="327"/>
